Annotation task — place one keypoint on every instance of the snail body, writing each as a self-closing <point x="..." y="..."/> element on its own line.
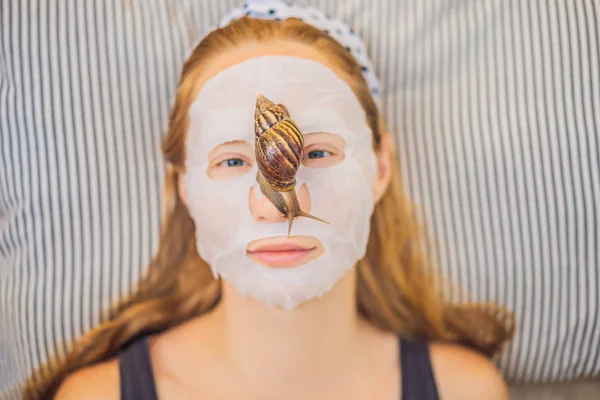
<point x="279" y="148"/>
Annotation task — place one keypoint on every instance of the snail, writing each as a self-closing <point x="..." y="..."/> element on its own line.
<point x="279" y="148"/>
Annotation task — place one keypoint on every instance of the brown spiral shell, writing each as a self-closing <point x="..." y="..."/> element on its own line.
<point x="279" y="144"/>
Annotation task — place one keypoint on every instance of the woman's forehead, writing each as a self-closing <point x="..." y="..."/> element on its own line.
<point x="231" y="57"/>
<point x="317" y="99"/>
<point x="301" y="85"/>
<point x="277" y="74"/>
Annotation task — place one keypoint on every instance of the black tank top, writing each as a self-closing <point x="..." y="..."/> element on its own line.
<point x="137" y="380"/>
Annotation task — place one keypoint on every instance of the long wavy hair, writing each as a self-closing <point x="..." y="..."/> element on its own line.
<point x="395" y="285"/>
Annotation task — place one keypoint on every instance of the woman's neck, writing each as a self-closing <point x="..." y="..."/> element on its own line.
<point x="320" y="336"/>
<point x="322" y="349"/>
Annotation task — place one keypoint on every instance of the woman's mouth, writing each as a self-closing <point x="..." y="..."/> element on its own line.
<point x="283" y="252"/>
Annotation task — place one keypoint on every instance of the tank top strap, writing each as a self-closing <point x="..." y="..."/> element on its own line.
<point x="135" y="371"/>
<point x="418" y="381"/>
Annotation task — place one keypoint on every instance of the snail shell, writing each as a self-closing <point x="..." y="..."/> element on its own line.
<point x="279" y="147"/>
<point x="279" y="144"/>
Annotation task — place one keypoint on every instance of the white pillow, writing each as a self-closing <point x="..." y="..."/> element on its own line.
<point x="496" y="109"/>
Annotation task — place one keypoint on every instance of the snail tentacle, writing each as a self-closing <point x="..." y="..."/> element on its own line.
<point x="286" y="202"/>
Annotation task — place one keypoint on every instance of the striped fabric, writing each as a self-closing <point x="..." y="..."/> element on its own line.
<point x="496" y="107"/>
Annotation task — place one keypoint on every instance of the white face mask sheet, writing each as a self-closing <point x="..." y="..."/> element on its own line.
<point x="318" y="101"/>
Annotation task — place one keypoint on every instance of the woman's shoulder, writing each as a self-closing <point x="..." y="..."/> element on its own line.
<point x="462" y="373"/>
<point x="96" y="382"/>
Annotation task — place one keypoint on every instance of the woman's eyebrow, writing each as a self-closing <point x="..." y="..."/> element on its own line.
<point x="234" y="142"/>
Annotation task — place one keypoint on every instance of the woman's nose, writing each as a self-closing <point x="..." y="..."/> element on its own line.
<point x="263" y="210"/>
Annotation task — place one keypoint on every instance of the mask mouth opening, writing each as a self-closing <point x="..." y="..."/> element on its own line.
<point x="284" y="252"/>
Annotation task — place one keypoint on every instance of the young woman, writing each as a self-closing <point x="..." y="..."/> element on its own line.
<point x="232" y="307"/>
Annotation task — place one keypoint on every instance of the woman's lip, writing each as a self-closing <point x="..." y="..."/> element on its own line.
<point x="281" y="258"/>
<point x="284" y="252"/>
<point x="280" y="247"/>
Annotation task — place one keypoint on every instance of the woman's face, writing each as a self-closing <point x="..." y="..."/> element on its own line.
<point x="239" y="231"/>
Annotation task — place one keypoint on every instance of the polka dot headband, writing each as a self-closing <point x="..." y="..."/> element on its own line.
<point x="342" y="33"/>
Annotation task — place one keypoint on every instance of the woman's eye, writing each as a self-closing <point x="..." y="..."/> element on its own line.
<point x="230" y="160"/>
<point x="323" y="150"/>
<point x="311" y="155"/>
<point x="233" y="163"/>
<point x="321" y="158"/>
